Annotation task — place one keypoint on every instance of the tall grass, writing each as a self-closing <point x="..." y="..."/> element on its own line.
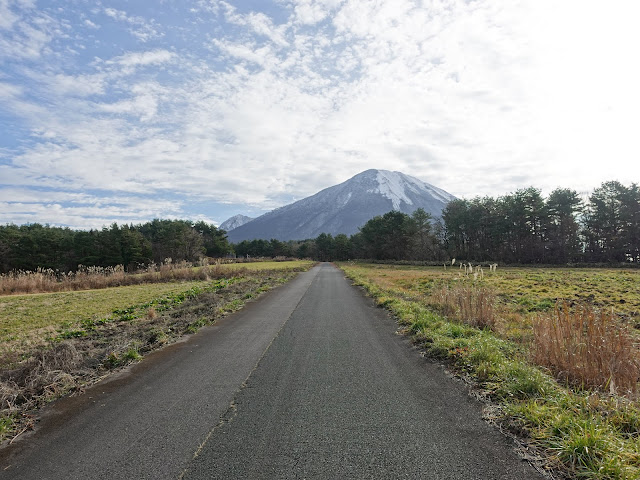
<point x="469" y="304"/>
<point x="89" y="278"/>
<point x="587" y="348"/>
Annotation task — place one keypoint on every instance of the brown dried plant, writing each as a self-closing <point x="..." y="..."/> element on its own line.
<point x="587" y="348"/>
<point x="470" y="304"/>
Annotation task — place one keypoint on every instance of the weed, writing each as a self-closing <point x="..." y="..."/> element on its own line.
<point x="125" y="357"/>
<point x="470" y="304"/>
<point x="522" y="381"/>
<point x="157" y="336"/>
<point x="586" y="445"/>
<point x="132" y="354"/>
<point x="193" y="327"/>
<point x="6" y="422"/>
<point x="72" y="334"/>
<point x="91" y="278"/>
<point x="587" y="348"/>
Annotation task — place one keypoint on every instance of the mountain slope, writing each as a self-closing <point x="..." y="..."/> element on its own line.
<point x="345" y="207"/>
<point x="234" y="222"/>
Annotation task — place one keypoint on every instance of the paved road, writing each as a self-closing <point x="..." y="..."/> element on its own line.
<point x="311" y="381"/>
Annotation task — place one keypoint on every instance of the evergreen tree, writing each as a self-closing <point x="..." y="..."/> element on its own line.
<point x="562" y="229"/>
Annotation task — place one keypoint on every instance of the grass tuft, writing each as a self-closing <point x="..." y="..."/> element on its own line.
<point x="586" y="348"/>
<point x="470" y="304"/>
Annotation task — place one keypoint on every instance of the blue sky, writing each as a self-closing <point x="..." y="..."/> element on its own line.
<point x="127" y="111"/>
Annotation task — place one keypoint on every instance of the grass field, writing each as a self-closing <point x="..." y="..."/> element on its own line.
<point x="522" y="289"/>
<point x="42" y="314"/>
<point x="55" y="343"/>
<point x="578" y="429"/>
<point x="38" y="316"/>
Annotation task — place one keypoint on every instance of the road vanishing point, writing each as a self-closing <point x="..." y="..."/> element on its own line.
<point x="311" y="381"/>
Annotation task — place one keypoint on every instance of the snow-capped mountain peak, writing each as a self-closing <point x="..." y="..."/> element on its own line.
<point x="234" y="222"/>
<point x="392" y="186"/>
<point x="344" y="208"/>
<point x="396" y="185"/>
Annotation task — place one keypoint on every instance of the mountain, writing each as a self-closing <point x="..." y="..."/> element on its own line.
<point x="234" y="222"/>
<point x="345" y="207"/>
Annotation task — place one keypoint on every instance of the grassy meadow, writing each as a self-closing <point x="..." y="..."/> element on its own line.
<point x="35" y="316"/>
<point x="55" y="343"/>
<point x="554" y="351"/>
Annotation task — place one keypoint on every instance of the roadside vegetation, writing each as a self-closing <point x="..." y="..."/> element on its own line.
<point x="91" y="278"/>
<point x="554" y="352"/>
<point x="52" y="344"/>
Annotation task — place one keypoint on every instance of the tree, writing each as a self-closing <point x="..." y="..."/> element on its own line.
<point x="175" y="239"/>
<point x="604" y="224"/>
<point x="214" y="239"/>
<point x="342" y="247"/>
<point x="630" y="218"/>
<point x="562" y="229"/>
<point x="136" y="250"/>
<point x="387" y="236"/>
<point x="527" y="216"/>
<point x="324" y="247"/>
<point x="455" y="218"/>
<point x="423" y="242"/>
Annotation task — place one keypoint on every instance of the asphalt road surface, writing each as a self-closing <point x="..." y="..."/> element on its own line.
<point x="310" y="381"/>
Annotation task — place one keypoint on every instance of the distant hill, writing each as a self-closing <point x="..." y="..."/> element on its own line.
<point x="345" y="207"/>
<point x="234" y="222"/>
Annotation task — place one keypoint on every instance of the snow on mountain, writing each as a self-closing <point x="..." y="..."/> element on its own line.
<point x="234" y="222"/>
<point x="345" y="207"/>
<point x="394" y="186"/>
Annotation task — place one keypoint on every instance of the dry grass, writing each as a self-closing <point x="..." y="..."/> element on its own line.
<point x="587" y="348"/>
<point x="45" y="374"/>
<point x="93" y="278"/>
<point x="589" y="342"/>
<point x="470" y="304"/>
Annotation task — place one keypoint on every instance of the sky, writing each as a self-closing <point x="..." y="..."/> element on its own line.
<point x="125" y="111"/>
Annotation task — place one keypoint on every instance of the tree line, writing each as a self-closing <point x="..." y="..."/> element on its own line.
<point x="522" y="227"/>
<point x="28" y="247"/>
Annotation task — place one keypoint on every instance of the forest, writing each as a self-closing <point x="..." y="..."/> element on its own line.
<point x="522" y="227"/>
<point x="33" y="246"/>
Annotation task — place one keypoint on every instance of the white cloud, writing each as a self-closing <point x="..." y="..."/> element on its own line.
<point x="150" y="57"/>
<point x="78" y="85"/>
<point x="9" y="91"/>
<point x="80" y="210"/>
<point x="142" y="29"/>
<point x="475" y="97"/>
<point x="143" y="106"/>
<point x="262" y="25"/>
<point x="310" y="12"/>
<point x="27" y="34"/>
<point x="7" y="16"/>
